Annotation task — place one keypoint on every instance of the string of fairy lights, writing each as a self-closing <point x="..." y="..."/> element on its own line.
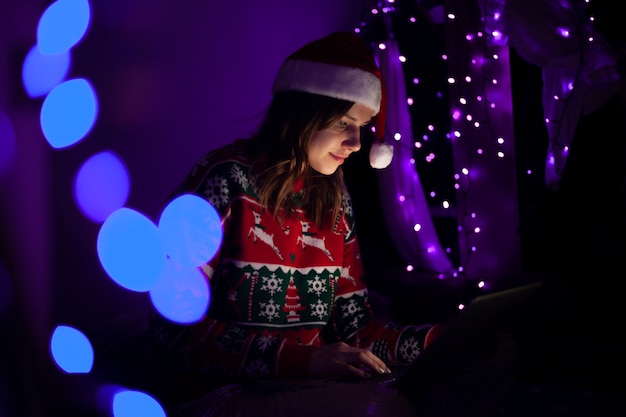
<point x="478" y="83"/>
<point x="461" y="109"/>
<point x="444" y="185"/>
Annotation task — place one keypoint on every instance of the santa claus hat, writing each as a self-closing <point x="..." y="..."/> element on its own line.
<point x="342" y="66"/>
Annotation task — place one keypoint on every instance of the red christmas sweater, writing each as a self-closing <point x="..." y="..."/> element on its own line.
<point x="277" y="289"/>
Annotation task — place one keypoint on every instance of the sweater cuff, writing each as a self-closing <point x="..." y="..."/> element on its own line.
<point x="432" y="334"/>
<point x="294" y="360"/>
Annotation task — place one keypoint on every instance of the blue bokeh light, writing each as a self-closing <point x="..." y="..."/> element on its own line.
<point x="71" y="350"/>
<point x="8" y="144"/>
<point x="191" y="230"/>
<point x="68" y="112"/>
<point x="42" y="72"/>
<point x="101" y="186"/>
<point x="130" y="250"/>
<point x="62" y="25"/>
<point x="129" y="403"/>
<point x="182" y="295"/>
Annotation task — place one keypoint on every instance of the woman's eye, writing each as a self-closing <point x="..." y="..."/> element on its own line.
<point x="342" y="124"/>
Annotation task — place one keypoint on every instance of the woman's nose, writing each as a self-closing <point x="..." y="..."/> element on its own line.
<point x="353" y="141"/>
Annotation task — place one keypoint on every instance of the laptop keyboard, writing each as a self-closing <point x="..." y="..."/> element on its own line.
<point x="375" y="377"/>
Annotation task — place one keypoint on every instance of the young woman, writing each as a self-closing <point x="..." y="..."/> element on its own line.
<point x="287" y="296"/>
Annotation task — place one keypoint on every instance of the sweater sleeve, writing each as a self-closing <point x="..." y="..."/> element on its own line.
<point x="228" y="351"/>
<point x="353" y="320"/>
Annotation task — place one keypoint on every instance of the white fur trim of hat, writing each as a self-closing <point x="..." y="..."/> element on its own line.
<point x="341" y="66"/>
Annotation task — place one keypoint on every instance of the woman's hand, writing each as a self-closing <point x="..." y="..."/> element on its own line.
<point x="340" y="359"/>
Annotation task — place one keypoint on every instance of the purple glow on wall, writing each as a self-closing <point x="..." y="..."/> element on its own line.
<point x="8" y="145"/>
<point x="6" y="289"/>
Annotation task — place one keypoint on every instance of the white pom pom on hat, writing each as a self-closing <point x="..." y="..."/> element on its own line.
<point x="340" y="65"/>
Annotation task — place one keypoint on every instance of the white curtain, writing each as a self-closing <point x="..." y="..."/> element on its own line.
<point x="578" y="66"/>
<point x="403" y="199"/>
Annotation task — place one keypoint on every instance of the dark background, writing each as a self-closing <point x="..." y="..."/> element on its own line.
<point x="177" y="78"/>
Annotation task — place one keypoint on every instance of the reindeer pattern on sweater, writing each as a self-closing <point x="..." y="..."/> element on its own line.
<point x="278" y="288"/>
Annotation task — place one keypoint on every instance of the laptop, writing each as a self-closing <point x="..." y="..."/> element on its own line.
<point x="464" y="334"/>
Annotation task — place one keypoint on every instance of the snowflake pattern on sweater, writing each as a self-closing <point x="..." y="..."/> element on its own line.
<point x="277" y="288"/>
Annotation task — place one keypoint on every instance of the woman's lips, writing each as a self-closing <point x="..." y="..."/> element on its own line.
<point x="338" y="158"/>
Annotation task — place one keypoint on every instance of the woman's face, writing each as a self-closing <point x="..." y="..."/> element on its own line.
<point x="330" y="147"/>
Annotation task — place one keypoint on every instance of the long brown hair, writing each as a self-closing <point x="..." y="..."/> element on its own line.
<point x="282" y="142"/>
